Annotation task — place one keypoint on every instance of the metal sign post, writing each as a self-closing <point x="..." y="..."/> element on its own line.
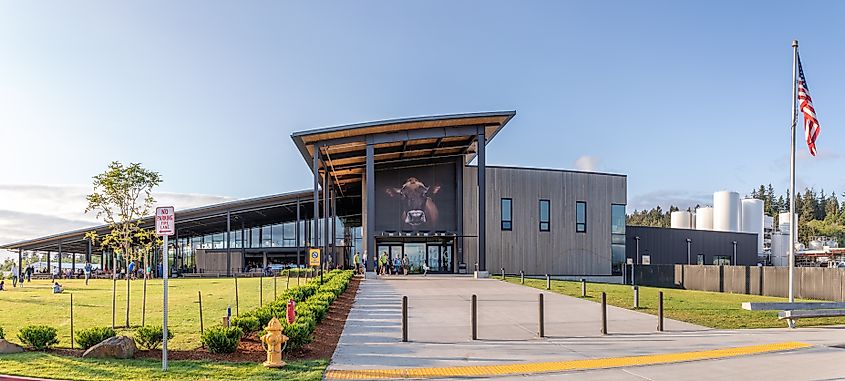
<point x="165" y="226"/>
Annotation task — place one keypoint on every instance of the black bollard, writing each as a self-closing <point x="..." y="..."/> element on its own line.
<point x="474" y="317"/>
<point x="522" y="276"/>
<point x="583" y="288"/>
<point x="199" y="298"/>
<point x="603" y="313"/>
<point x="660" y="311"/>
<point x="548" y="282"/>
<point x="404" y="319"/>
<point x="542" y="318"/>
<point x="503" y="273"/>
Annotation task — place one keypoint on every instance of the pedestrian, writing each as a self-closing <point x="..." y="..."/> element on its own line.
<point x="405" y="264"/>
<point x="397" y="265"/>
<point x="425" y="269"/>
<point x="382" y="261"/>
<point x="57" y="288"/>
<point x="131" y="271"/>
<point x="28" y="272"/>
<point x="356" y="260"/>
<point x="15" y="275"/>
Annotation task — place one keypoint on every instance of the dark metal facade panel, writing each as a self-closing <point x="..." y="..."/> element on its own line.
<point x="669" y="246"/>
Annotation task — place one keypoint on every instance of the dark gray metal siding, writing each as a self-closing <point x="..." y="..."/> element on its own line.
<point x="669" y="246"/>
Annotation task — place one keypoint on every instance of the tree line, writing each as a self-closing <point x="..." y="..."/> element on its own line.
<point x="819" y="213"/>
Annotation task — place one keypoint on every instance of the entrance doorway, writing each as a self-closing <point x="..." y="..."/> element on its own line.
<point x="437" y="255"/>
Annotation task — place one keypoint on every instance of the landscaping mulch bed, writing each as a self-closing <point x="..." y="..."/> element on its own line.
<point x="326" y="336"/>
<point x="327" y="333"/>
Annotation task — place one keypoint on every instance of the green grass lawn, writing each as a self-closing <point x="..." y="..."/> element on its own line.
<point x="709" y="309"/>
<point x="39" y="364"/>
<point x="35" y="304"/>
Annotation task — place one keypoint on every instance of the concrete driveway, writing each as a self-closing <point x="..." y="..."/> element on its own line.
<point x="440" y="333"/>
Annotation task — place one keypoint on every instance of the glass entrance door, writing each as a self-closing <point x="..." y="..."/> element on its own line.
<point x="440" y="258"/>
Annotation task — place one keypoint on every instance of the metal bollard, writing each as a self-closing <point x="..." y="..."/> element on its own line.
<point x="583" y="288"/>
<point x="503" y="273"/>
<point x="660" y="311"/>
<point x="603" y="313"/>
<point x="474" y="317"/>
<point x="404" y="319"/>
<point x="636" y="296"/>
<point x="522" y="276"/>
<point x="548" y="282"/>
<point x="542" y="318"/>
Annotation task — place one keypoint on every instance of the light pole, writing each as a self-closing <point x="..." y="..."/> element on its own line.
<point x="734" y="243"/>
<point x="689" y="257"/>
<point x="634" y="263"/>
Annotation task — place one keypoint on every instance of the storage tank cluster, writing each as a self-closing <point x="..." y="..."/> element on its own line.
<point x="728" y="213"/>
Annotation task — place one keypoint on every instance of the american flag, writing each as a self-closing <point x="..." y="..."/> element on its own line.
<point x="805" y="104"/>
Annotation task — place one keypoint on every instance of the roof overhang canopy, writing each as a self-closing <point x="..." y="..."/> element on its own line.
<point x="343" y="148"/>
<point x="189" y="222"/>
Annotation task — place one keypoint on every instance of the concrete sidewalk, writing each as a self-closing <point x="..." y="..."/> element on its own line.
<point x="440" y="335"/>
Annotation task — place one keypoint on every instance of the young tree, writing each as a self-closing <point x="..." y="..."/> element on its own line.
<point x="122" y="196"/>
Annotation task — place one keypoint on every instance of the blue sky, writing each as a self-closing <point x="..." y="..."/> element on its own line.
<point x="683" y="97"/>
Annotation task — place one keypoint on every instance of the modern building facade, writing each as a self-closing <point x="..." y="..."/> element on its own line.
<point x="404" y="188"/>
<point x="669" y="246"/>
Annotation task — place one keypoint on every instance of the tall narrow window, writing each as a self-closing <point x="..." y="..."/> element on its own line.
<point x="545" y="215"/>
<point x="507" y="213"/>
<point x="581" y="217"/>
<point x="617" y="238"/>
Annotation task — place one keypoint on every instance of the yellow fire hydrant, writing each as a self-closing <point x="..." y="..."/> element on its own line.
<point x="274" y="343"/>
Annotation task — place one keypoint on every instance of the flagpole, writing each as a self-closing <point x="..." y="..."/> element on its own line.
<point x="793" y="228"/>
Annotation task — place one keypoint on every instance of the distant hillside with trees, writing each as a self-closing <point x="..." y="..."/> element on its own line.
<point x="819" y="213"/>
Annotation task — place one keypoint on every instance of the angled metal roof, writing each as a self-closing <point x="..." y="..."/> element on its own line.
<point x="343" y="148"/>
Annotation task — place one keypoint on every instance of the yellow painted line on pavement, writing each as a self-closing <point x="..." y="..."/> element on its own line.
<point x="557" y="366"/>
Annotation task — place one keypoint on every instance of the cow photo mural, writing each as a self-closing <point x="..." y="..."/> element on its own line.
<point x="416" y="199"/>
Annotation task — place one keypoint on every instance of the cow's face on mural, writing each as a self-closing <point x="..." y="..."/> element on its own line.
<point x="418" y="208"/>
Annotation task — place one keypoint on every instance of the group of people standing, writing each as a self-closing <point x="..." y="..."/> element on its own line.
<point x="385" y="266"/>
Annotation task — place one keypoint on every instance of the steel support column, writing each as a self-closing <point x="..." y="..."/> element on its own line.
<point x="481" y="141"/>
<point x="298" y="246"/>
<point x="370" y="252"/>
<point x="228" y="243"/>
<point x="20" y="261"/>
<point x="333" y="208"/>
<point x="60" y="258"/>
<point x="326" y="238"/>
<point x="88" y="253"/>
<point x="48" y="263"/>
<point x="315" y="166"/>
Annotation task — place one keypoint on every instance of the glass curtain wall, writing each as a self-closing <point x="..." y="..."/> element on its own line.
<point x="617" y="238"/>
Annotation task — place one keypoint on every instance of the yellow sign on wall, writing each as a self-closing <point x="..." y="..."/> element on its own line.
<point x="314" y="256"/>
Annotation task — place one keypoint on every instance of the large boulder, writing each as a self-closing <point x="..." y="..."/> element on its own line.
<point x="121" y="347"/>
<point x="7" y="347"/>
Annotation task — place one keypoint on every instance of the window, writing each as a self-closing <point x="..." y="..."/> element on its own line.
<point x="722" y="260"/>
<point x="581" y="217"/>
<point x="507" y="213"/>
<point x="700" y="259"/>
<point x="545" y="212"/>
<point x="617" y="238"/>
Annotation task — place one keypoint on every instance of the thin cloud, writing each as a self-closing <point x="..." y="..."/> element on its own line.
<point x="587" y="163"/>
<point x="29" y="211"/>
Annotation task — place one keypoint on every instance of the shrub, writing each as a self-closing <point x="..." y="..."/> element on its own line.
<point x="246" y="323"/>
<point x="88" y="338"/>
<point x="38" y="337"/>
<point x="298" y="333"/>
<point x="151" y="336"/>
<point x="222" y="339"/>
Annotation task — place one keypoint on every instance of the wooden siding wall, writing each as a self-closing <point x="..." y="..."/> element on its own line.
<point x="560" y="251"/>
<point x="215" y="261"/>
